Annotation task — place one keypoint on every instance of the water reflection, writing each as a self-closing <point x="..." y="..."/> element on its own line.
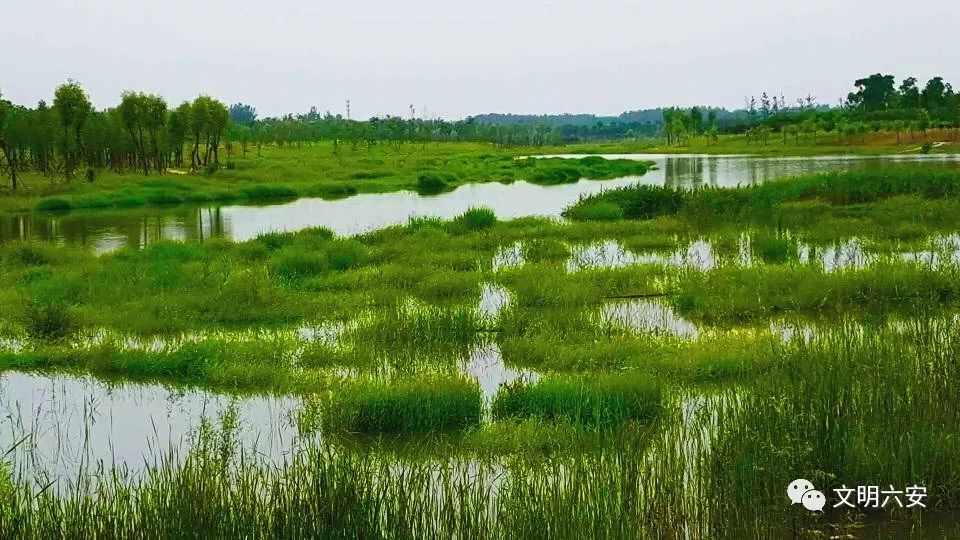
<point x="107" y="230"/>
<point x="73" y="425"/>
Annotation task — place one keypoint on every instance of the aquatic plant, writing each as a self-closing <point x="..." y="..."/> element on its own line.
<point x="425" y="403"/>
<point x="599" y="401"/>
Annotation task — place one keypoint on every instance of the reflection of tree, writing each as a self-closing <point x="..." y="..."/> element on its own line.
<point x="105" y="230"/>
<point x="683" y="171"/>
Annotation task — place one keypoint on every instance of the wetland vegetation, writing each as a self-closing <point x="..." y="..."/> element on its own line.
<point x="476" y="377"/>
<point x="659" y="361"/>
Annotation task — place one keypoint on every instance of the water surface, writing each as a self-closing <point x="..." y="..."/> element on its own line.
<point x="108" y="230"/>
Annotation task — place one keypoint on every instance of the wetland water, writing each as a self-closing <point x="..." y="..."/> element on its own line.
<point x="107" y="230"/>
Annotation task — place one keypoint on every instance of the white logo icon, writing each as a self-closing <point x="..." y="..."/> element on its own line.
<point x="814" y="501"/>
<point x="802" y="492"/>
<point x="797" y="488"/>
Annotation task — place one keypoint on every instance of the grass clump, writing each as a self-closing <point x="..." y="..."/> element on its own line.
<point x="426" y="403"/>
<point x="774" y="249"/>
<point x="475" y="219"/>
<point x="49" y="320"/>
<point x="433" y="182"/>
<point x="553" y="175"/>
<point x="263" y="192"/>
<point x="598" y="211"/>
<point x="599" y="401"/>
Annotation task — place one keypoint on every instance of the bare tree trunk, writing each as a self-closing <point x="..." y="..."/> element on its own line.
<point x="11" y="164"/>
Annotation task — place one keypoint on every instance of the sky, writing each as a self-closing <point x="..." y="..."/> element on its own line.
<point x="452" y="58"/>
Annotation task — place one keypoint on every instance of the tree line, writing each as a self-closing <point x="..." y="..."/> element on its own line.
<point x="877" y="105"/>
<point x="141" y="133"/>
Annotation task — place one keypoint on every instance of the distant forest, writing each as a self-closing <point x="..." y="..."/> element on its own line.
<point x="877" y="103"/>
<point x="582" y="127"/>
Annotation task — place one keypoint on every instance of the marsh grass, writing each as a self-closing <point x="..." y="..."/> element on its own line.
<point x="426" y="403"/>
<point x="849" y="405"/>
<point x="475" y="219"/>
<point x="412" y="325"/>
<point x="597" y="401"/>
<point x="744" y="295"/>
<point x="762" y="202"/>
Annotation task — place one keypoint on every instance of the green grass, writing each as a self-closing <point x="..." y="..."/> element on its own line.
<point x="763" y="202"/>
<point x="475" y="219"/>
<point x="599" y="401"/>
<point x="426" y="403"/>
<point x="847" y="407"/>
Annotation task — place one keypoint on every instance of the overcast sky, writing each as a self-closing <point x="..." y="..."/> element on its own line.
<point x="459" y="58"/>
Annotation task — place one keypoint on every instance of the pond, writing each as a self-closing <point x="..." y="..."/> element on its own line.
<point x="108" y="230"/>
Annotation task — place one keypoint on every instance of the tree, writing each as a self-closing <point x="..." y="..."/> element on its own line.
<point x="909" y="94"/>
<point x="155" y="118"/>
<point x="73" y="108"/>
<point x="242" y="114"/>
<point x="178" y="129"/>
<point x="809" y="126"/>
<point x="935" y="94"/>
<point x="133" y="114"/>
<point x="696" y="120"/>
<point x="6" y="145"/>
<point x="765" y="104"/>
<point x="875" y="93"/>
<point x="199" y="120"/>
<point x="899" y="126"/>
